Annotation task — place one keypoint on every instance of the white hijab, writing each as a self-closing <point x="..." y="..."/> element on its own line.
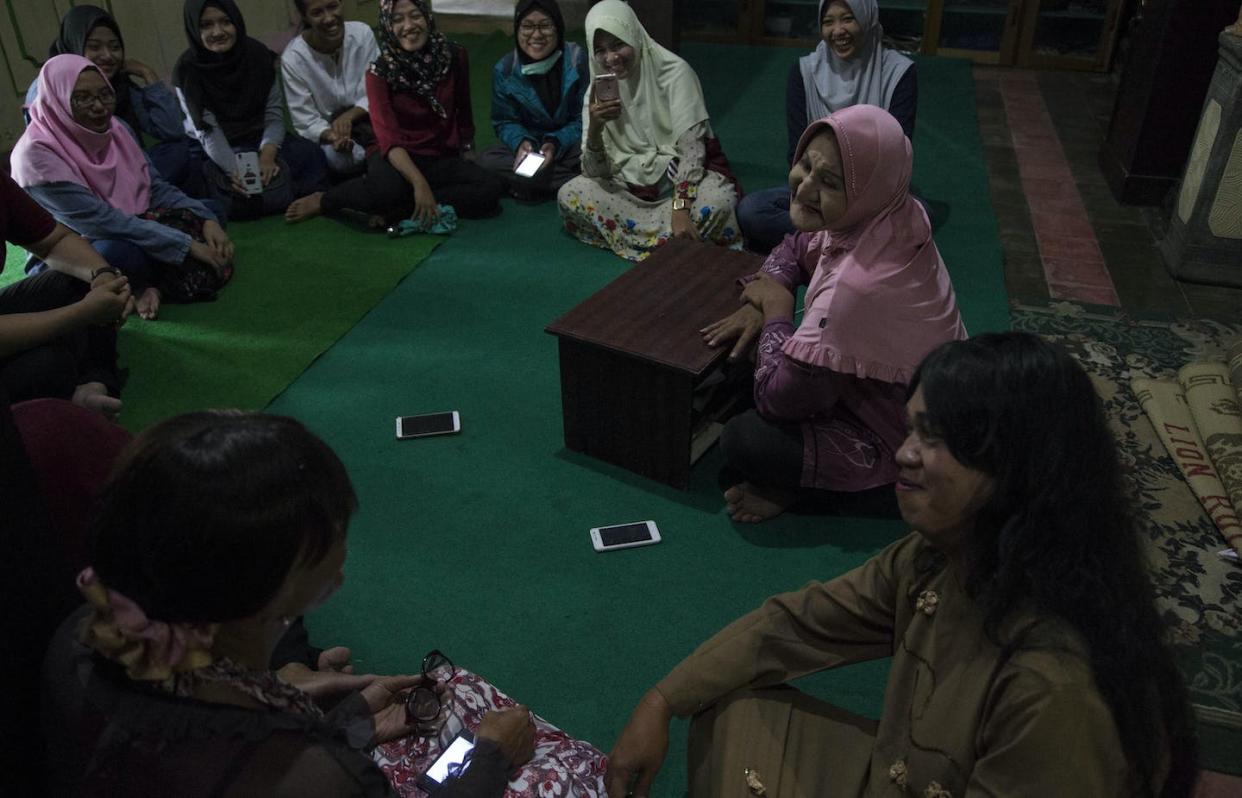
<point x="869" y="78"/>
<point x="660" y="100"/>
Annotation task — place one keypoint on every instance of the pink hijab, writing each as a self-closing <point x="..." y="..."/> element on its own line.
<point x="56" y="149"/>
<point x="880" y="298"/>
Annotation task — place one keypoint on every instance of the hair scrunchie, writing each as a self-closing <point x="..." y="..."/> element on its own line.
<point x="120" y="631"/>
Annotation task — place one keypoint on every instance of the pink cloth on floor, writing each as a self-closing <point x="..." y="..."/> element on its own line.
<point x="880" y="298"/>
<point x="56" y="149"/>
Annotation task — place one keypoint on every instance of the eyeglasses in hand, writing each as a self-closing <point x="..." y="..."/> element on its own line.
<point x="424" y="704"/>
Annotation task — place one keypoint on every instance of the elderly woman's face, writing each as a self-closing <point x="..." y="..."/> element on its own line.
<point x="817" y="184"/>
<point x="938" y="496"/>
<point x="92" y="101"/>
<point x="410" y="28"/>
<point x="537" y="35"/>
<point x="613" y="55"/>
<point x="840" y="30"/>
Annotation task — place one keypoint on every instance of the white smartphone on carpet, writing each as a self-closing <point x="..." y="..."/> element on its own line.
<point x="530" y="164"/>
<point x="423" y="426"/>
<point x="625" y="536"/>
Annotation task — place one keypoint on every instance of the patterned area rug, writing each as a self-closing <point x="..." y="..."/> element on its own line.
<point x="1199" y="593"/>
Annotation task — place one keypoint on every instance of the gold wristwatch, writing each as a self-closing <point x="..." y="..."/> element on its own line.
<point x="681" y="204"/>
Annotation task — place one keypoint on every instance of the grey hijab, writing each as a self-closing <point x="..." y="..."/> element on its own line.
<point x="869" y="78"/>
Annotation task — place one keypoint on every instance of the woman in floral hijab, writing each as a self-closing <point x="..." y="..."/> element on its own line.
<point x="423" y="161"/>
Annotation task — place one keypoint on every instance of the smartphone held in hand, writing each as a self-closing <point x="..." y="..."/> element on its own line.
<point x="606" y="88"/>
<point x="530" y="164"/>
<point x="248" y="172"/>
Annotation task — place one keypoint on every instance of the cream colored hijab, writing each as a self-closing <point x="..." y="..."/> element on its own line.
<point x="660" y="100"/>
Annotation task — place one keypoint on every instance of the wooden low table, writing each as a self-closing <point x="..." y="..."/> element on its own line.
<point x="632" y="360"/>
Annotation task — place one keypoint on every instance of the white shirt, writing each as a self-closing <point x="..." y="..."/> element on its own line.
<point x="317" y="86"/>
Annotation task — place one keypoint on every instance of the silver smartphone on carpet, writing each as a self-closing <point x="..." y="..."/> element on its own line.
<point x="429" y="424"/>
<point x="625" y="536"/>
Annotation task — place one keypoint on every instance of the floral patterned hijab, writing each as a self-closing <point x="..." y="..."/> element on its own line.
<point x="419" y="72"/>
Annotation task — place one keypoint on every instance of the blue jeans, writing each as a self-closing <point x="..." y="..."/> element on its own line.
<point x="764" y="219"/>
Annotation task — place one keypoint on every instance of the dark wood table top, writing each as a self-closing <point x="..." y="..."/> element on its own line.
<point x="655" y="310"/>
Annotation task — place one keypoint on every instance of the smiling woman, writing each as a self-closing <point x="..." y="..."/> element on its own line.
<point x="234" y="104"/>
<point x="828" y="394"/>
<point x="78" y="161"/>
<point x="1011" y="614"/>
<point x="324" y="71"/>
<point x="418" y="94"/>
<point x="143" y="101"/>
<point x="537" y="91"/>
<point x="849" y="66"/>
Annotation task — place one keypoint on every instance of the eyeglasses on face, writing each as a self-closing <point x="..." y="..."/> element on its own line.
<point x="83" y="100"/>
<point x="424" y="704"/>
<point x="531" y="28"/>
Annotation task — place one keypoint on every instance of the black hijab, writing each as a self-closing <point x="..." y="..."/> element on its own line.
<point x="547" y="85"/>
<point x="233" y="86"/>
<point x="75" y="29"/>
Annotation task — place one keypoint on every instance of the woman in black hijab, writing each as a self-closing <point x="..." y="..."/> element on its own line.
<point x="143" y="101"/>
<point x="227" y="85"/>
<point x="537" y="92"/>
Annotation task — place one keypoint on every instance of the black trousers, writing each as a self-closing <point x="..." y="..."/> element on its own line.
<point x="55" y="368"/>
<point x="769" y="453"/>
<point x="472" y="191"/>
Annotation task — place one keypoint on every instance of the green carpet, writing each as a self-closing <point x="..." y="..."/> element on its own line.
<point x="297" y="289"/>
<point x="477" y="543"/>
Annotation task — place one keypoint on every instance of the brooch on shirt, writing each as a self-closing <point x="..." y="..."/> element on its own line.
<point x="934" y="790"/>
<point x="897" y="773"/>
<point x="927" y="602"/>
<point x="753" y="783"/>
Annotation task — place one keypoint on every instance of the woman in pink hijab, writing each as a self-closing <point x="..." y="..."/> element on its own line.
<point x="79" y="163"/>
<point x="830" y="392"/>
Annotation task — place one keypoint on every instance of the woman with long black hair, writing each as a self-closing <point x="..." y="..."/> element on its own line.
<point x="1026" y="649"/>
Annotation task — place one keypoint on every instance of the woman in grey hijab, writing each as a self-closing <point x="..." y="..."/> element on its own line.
<point x="849" y="66"/>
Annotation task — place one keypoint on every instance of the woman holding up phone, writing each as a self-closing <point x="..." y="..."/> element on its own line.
<point x="651" y="166"/>
<point x="418" y="91"/>
<point x="167" y="682"/>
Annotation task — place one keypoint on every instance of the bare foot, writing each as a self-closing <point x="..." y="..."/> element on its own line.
<point x="148" y="305"/>
<point x="750" y="504"/>
<point x="305" y="208"/>
<point x="94" y="396"/>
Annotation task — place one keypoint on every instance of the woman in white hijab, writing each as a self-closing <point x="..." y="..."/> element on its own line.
<point x="651" y="166"/>
<point x="849" y="66"/>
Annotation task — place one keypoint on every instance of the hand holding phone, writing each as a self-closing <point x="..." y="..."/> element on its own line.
<point x="248" y="172"/>
<point x="451" y="762"/>
<point x="606" y="88"/>
<point x="530" y="164"/>
<point x="625" y="536"/>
